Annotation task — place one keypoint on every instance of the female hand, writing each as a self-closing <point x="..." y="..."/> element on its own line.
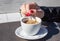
<point x="32" y="6"/>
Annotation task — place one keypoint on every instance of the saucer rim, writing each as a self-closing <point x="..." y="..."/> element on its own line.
<point x="27" y="38"/>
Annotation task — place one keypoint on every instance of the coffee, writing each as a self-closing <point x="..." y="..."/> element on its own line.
<point x="29" y="21"/>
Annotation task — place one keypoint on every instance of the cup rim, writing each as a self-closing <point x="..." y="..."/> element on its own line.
<point x="32" y="24"/>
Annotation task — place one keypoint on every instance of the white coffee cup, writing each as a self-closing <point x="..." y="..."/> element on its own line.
<point x="31" y="29"/>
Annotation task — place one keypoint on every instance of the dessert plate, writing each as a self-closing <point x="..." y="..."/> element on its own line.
<point x="42" y="33"/>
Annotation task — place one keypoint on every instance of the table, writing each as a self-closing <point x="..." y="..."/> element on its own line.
<point x="7" y="32"/>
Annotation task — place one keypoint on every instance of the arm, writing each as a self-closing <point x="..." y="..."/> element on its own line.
<point x="52" y="14"/>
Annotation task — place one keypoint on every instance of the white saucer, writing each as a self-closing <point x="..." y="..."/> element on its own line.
<point x="42" y="33"/>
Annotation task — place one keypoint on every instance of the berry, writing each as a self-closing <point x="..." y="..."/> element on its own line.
<point x="27" y="14"/>
<point x="31" y="11"/>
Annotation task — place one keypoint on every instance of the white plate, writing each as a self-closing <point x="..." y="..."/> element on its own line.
<point x="42" y="33"/>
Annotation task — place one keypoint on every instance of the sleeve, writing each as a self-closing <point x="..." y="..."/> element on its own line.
<point x="51" y="14"/>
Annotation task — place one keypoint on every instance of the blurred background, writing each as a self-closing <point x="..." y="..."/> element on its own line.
<point x="10" y="6"/>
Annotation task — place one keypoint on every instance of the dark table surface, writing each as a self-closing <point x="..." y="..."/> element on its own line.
<point x="7" y="32"/>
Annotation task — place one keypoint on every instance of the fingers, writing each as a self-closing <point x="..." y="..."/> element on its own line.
<point x="32" y="5"/>
<point x="23" y="9"/>
<point x="27" y="7"/>
<point x="40" y="13"/>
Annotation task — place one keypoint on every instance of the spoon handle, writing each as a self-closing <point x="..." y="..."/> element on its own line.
<point x="20" y="13"/>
